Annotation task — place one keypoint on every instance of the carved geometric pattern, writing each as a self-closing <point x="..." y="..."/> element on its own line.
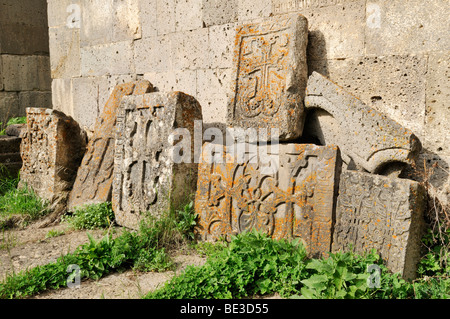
<point x="296" y="201"/>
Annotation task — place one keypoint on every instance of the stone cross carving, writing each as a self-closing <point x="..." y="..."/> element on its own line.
<point x="294" y="202"/>
<point x="271" y="73"/>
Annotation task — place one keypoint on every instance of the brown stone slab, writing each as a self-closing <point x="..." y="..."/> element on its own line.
<point x="295" y="201"/>
<point x="94" y="178"/>
<point x="382" y="213"/>
<point x="270" y="75"/>
<point x="147" y="179"/>
<point x="52" y="147"/>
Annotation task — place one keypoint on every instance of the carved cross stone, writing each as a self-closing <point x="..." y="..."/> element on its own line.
<point x="271" y="74"/>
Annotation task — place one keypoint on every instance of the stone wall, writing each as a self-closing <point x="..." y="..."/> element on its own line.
<point x="25" y="79"/>
<point x="393" y="55"/>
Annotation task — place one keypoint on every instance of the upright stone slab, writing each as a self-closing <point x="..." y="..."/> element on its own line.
<point x="270" y="72"/>
<point x="382" y="213"/>
<point x="368" y="139"/>
<point x="293" y="197"/>
<point x="52" y="147"/>
<point x="148" y="178"/>
<point x="95" y="176"/>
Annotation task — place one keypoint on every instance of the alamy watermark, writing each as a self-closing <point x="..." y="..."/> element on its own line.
<point x="74" y="279"/>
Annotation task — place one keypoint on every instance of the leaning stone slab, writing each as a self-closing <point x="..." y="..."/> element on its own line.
<point x="52" y="147"/>
<point x="367" y="138"/>
<point x="292" y="195"/>
<point x="95" y="175"/>
<point x="383" y="213"/>
<point x="148" y="177"/>
<point x="270" y="73"/>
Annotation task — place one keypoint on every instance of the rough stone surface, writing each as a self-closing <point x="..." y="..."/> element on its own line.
<point x="367" y="138"/>
<point x="147" y="180"/>
<point x="271" y="74"/>
<point x="381" y="213"/>
<point x="10" y="160"/>
<point x="52" y="148"/>
<point x="94" y="179"/>
<point x="26" y="73"/>
<point x="295" y="201"/>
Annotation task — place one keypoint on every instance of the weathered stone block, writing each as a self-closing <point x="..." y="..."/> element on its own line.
<point x="367" y="138"/>
<point x="52" y="148"/>
<point x="9" y="106"/>
<point x="147" y="179"/>
<point x="221" y="41"/>
<point x="34" y="99"/>
<point x="111" y="58"/>
<point x="437" y="115"/>
<point x="65" y="58"/>
<point x="62" y="96"/>
<point x="271" y="74"/>
<point x="292" y="197"/>
<point x="94" y="179"/>
<point x="165" y="16"/>
<point x="253" y="9"/>
<point x="26" y="73"/>
<point x="384" y="214"/>
<point x="406" y="26"/>
<point x="217" y="12"/>
<point x="188" y="15"/>
<point x="148" y="17"/>
<point x="189" y="49"/>
<point x="127" y="22"/>
<point x="153" y="54"/>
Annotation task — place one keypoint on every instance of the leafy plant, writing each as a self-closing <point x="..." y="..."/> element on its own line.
<point x="54" y="233"/>
<point x="91" y="216"/>
<point x="17" y="120"/>
<point x="186" y="220"/>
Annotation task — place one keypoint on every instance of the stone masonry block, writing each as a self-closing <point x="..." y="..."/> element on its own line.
<point x="34" y="99"/>
<point x="97" y="22"/>
<point x="147" y="180"/>
<point x="9" y="106"/>
<point x="52" y="148"/>
<point x="253" y="9"/>
<point x="188" y="15"/>
<point x="285" y="193"/>
<point x="381" y="213"/>
<point x="153" y="54"/>
<point x="85" y="99"/>
<point x="10" y="160"/>
<point x="65" y="58"/>
<point x="165" y="16"/>
<point x="336" y="31"/>
<point x="189" y="49"/>
<point x="94" y="178"/>
<point x="221" y="45"/>
<point x="437" y="115"/>
<point x="148" y="18"/>
<point x="113" y="58"/>
<point x="218" y="12"/>
<point x="26" y="73"/>
<point x="127" y="22"/>
<point x="271" y="73"/>
<point x="62" y="96"/>
<point x="368" y="139"/>
<point x="406" y="27"/>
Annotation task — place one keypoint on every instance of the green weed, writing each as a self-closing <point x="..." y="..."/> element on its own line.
<point x="91" y="216"/>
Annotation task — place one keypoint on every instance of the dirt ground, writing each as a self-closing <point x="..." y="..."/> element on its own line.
<point x="26" y="248"/>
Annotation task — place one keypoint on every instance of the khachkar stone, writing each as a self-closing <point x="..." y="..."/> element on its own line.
<point x="383" y="213"/>
<point x="148" y="176"/>
<point x="95" y="175"/>
<point x="52" y="147"/>
<point x="368" y="139"/>
<point x="294" y="200"/>
<point x="270" y="76"/>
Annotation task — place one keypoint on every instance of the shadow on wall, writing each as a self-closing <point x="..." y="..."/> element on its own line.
<point x="317" y="53"/>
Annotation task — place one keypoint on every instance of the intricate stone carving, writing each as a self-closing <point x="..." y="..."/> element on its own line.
<point x="52" y="148"/>
<point x="94" y="179"/>
<point x="382" y="213"/>
<point x="146" y="178"/>
<point x="271" y="73"/>
<point x="368" y="139"/>
<point x="295" y="201"/>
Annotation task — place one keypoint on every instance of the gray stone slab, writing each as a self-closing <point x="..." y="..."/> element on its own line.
<point x="147" y="180"/>
<point x="386" y="214"/>
<point x="52" y="149"/>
